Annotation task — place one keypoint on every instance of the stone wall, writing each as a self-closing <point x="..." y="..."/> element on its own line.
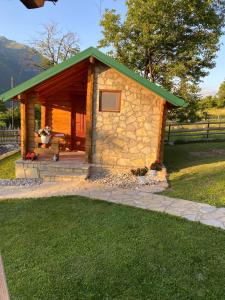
<point x="130" y="138"/>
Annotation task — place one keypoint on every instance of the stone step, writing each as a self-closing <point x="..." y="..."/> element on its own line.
<point x="65" y="170"/>
<point x="52" y="172"/>
<point x="64" y="178"/>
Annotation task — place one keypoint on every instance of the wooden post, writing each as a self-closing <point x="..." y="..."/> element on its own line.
<point x="89" y="111"/>
<point x="207" y="135"/>
<point x="163" y="115"/>
<point x="43" y="115"/>
<point x="23" y="115"/>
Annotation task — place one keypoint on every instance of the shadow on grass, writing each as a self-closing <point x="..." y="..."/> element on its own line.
<point x="182" y="156"/>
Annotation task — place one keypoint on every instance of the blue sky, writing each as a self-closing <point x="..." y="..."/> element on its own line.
<point x="81" y="16"/>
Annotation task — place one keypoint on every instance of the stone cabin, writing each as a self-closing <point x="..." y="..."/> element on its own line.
<point x="108" y="116"/>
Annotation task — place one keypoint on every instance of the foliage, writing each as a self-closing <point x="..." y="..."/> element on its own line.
<point x="207" y="102"/>
<point x="2" y="106"/>
<point x="6" y="118"/>
<point x="55" y="45"/>
<point x="221" y="95"/>
<point x="190" y="93"/>
<point x="197" y="172"/>
<point x="157" y="166"/>
<point x="166" y="41"/>
<point x="139" y="171"/>
<point x="76" y="248"/>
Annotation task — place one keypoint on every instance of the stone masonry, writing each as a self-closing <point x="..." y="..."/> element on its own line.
<point x="131" y="137"/>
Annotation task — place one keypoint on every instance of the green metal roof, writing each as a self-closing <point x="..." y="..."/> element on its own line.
<point x="109" y="61"/>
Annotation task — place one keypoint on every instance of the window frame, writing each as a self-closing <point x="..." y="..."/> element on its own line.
<point x="109" y="91"/>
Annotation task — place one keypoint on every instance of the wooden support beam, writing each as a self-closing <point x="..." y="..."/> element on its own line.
<point x="43" y="115"/>
<point x="163" y="115"/>
<point x="89" y="111"/>
<point x="23" y="115"/>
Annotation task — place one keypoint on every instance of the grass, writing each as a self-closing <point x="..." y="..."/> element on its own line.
<point x="76" y="248"/>
<point x="197" y="172"/>
<point x="7" y="167"/>
<point x="216" y="112"/>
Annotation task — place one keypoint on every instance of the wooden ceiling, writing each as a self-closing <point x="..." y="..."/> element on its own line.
<point x="65" y="85"/>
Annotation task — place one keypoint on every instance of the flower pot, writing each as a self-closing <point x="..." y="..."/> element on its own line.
<point x="142" y="180"/>
<point x="45" y="139"/>
<point x="153" y="173"/>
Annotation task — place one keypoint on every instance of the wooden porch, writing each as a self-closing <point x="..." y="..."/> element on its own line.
<point x="66" y="107"/>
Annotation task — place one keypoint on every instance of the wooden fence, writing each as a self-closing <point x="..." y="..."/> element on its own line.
<point x="9" y="136"/>
<point x="201" y="131"/>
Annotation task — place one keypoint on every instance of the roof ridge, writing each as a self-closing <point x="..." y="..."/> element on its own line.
<point x="91" y="51"/>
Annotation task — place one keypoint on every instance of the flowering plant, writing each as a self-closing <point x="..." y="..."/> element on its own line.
<point x="45" y="131"/>
<point x="139" y="171"/>
<point x="157" y="166"/>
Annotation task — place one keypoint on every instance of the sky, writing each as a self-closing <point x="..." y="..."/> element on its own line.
<point x="80" y="16"/>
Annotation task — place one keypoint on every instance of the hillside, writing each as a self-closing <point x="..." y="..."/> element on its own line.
<point x="15" y="60"/>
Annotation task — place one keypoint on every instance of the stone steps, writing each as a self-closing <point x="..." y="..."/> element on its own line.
<point x="54" y="170"/>
<point x="63" y="178"/>
<point x="51" y="171"/>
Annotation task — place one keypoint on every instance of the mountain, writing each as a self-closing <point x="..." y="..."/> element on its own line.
<point x="17" y="61"/>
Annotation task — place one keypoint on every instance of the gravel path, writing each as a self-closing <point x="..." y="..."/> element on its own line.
<point x="7" y="148"/>
<point x="143" y="198"/>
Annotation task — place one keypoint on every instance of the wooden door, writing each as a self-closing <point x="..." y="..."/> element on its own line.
<point x="78" y="124"/>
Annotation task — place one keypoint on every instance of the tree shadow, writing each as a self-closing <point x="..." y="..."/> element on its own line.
<point x="178" y="157"/>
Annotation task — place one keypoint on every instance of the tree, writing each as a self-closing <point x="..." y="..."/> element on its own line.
<point x="54" y="45"/>
<point x="166" y="41"/>
<point x="207" y="102"/>
<point x="2" y="106"/>
<point x="191" y="113"/>
<point x="220" y="96"/>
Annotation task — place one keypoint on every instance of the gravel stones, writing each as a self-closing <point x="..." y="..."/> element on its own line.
<point x="7" y="148"/>
<point x="20" y="182"/>
<point x="126" y="180"/>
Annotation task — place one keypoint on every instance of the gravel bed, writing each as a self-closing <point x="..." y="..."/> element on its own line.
<point x="7" y="148"/>
<point x="20" y="182"/>
<point x="126" y="181"/>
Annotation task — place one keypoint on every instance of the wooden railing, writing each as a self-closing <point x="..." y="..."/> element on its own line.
<point x="200" y="131"/>
<point x="9" y="136"/>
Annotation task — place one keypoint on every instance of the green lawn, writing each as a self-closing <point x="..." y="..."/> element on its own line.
<point x="75" y="248"/>
<point x="197" y="172"/>
<point x="7" y="167"/>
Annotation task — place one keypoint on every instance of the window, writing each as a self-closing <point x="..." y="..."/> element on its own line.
<point x="109" y="101"/>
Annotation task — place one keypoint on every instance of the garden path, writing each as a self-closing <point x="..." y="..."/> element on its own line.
<point x="142" y="198"/>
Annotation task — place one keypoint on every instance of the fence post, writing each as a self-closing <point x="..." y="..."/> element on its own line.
<point x="207" y="135"/>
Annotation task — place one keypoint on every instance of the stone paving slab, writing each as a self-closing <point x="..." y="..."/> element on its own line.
<point x="192" y="211"/>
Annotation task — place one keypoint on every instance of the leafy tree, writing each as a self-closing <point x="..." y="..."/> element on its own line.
<point x="221" y="95"/>
<point x="190" y="93"/>
<point x="54" y="45"/>
<point x="2" y="106"/>
<point x="166" y="40"/>
<point x="207" y="102"/>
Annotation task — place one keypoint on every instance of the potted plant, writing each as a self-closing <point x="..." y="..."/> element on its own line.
<point x="45" y="134"/>
<point x="155" y="167"/>
<point x="140" y="173"/>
